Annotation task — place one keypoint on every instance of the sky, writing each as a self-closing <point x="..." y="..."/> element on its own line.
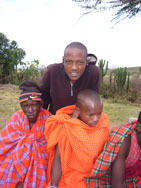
<point x="43" y="28"/>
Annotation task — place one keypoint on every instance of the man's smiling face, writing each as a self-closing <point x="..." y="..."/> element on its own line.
<point x="75" y="61"/>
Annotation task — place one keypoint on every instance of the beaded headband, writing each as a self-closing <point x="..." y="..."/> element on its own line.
<point x="32" y="96"/>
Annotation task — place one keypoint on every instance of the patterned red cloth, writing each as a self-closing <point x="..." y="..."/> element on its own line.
<point x="135" y="151"/>
<point x="23" y="154"/>
<point x="133" y="161"/>
<point x="100" y="176"/>
<point x="133" y="171"/>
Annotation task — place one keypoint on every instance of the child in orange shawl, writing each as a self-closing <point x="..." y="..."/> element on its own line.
<point x="76" y="136"/>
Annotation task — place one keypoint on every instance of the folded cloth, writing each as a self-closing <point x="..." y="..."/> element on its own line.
<point x="79" y="145"/>
<point x="23" y="155"/>
<point x="100" y="175"/>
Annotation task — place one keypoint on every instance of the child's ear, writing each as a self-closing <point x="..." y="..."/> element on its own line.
<point x="75" y="113"/>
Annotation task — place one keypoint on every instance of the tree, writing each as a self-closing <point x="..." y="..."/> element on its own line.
<point x="123" y="8"/>
<point x="121" y="78"/>
<point x="10" y="56"/>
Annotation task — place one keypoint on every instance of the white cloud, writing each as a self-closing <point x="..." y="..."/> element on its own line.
<point x="44" y="28"/>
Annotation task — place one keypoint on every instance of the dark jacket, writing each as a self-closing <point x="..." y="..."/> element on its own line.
<point x="57" y="90"/>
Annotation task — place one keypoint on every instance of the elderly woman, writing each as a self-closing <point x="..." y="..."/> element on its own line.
<point x="23" y="157"/>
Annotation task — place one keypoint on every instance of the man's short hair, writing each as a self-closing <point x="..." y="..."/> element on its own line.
<point x="78" y="45"/>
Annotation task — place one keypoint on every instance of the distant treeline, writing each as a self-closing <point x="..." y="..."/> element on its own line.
<point x="11" y="57"/>
<point x="120" y="82"/>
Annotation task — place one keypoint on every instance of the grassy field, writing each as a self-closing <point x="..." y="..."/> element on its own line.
<point x="118" y="111"/>
<point x="8" y="104"/>
<point x="132" y="70"/>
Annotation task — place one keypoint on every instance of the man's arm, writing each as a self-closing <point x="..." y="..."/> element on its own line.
<point x="56" y="170"/>
<point x="98" y="82"/>
<point x="95" y="77"/>
<point x="118" y="166"/>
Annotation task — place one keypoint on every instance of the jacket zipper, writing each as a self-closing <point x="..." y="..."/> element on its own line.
<point x="71" y="89"/>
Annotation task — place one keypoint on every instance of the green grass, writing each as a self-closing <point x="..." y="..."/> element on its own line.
<point x="118" y="111"/>
<point x="8" y="105"/>
<point x="132" y="70"/>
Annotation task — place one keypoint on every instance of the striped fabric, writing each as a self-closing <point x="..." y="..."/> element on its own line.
<point x="135" y="151"/>
<point x="32" y="96"/>
<point x="100" y="176"/>
<point x="133" y="161"/>
<point x="23" y="154"/>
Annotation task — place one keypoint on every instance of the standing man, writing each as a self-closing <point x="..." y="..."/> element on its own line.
<point x="61" y="82"/>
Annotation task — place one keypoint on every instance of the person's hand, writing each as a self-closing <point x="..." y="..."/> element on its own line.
<point x="20" y="185"/>
<point x="75" y="114"/>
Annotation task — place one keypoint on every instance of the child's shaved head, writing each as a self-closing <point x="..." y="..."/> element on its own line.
<point x="87" y="95"/>
<point x="89" y="107"/>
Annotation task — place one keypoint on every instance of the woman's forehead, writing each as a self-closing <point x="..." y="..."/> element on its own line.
<point x="30" y="101"/>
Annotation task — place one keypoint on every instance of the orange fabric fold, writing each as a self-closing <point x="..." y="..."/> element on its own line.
<point x="79" y="145"/>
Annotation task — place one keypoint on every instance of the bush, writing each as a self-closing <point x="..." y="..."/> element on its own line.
<point x="28" y="71"/>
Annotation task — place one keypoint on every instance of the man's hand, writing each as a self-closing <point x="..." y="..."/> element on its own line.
<point x="20" y="185"/>
<point x="75" y="113"/>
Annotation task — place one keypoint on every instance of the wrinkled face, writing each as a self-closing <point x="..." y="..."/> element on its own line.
<point x="90" y="113"/>
<point x="75" y="61"/>
<point x="31" y="109"/>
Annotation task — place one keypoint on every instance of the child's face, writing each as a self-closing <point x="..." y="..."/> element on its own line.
<point x="90" y="114"/>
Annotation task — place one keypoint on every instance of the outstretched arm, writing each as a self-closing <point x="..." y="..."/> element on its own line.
<point x="56" y="170"/>
<point x="118" y="166"/>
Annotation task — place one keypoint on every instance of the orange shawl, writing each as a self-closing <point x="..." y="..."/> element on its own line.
<point x="79" y="145"/>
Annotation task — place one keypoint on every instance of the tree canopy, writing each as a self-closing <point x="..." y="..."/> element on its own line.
<point x="10" y="56"/>
<point x="123" y="8"/>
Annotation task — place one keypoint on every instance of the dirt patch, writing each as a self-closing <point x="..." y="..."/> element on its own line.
<point x="7" y="87"/>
